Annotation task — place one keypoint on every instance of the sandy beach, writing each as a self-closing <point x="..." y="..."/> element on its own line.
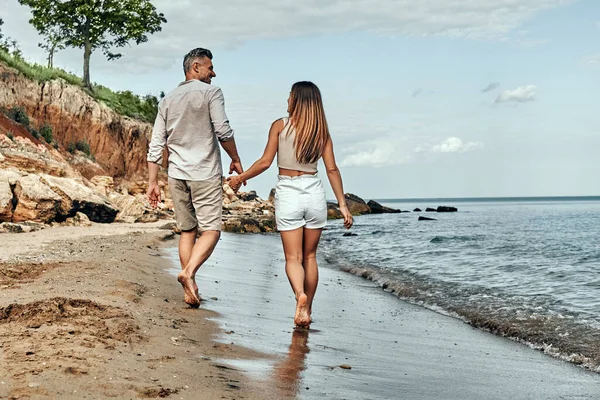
<point x="96" y="313"/>
<point x="91" y="313"/>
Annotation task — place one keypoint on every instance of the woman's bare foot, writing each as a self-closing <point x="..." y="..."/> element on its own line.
<point x="302" y="319"/>
<point x="189" y="294"/>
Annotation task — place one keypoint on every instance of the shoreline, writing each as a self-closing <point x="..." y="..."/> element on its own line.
<point x="92" y="313"/>
<point x="96" y="312"/>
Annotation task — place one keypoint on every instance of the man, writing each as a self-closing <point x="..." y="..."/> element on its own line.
<point x="191" y="122"/>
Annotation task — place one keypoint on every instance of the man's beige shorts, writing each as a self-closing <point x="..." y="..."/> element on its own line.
<point x="197" y="203"/>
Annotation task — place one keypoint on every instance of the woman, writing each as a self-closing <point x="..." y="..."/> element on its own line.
<point x="300" y="207"/>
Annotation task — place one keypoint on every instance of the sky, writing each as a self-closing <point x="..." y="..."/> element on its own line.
<point x="438" y="98"/>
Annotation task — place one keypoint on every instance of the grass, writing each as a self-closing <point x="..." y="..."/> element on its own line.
<point x="125" y="102"/>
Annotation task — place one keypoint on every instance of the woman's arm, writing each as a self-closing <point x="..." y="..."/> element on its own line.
<point x="335" y="180"/>
<point x="263" y="163"/>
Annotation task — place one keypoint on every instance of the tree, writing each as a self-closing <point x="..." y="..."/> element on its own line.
<point x="53" y="42"/>
<point x="9" y="45"/>
<point x="95" y="24"/>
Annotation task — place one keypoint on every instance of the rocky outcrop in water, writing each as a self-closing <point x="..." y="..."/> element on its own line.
<point x="356" y="205"/>
<point x="377" y="208"/>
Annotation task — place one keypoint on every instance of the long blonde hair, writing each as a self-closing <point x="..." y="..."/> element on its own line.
<point x="307" y="116"/>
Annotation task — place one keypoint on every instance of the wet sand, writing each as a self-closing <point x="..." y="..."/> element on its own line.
<point x="394" y="350"/>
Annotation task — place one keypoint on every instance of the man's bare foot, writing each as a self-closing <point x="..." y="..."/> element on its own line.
<point x="189" y="294"/>
<point x="302" y="319"/>
<point x="196" y="289"/>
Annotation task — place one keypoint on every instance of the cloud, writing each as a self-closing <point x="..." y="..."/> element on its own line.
<point x="455" y="145"/>
<point x="390" y="152"/>
<point x="591" y="61"/>
<point x="490" y="87"/>
<point x="519" y="95"/>
<point x="234" y="22"/>
<point x="374" y="154"/>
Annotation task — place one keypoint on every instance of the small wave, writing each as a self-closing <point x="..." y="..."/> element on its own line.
<point x="443" y="239"/>
<point x="559" y="335"/>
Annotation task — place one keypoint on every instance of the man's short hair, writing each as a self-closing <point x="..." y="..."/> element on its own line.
<point x="189" y="58"/>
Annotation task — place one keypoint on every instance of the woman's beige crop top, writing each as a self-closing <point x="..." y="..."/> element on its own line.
<point x="286" y="153"/>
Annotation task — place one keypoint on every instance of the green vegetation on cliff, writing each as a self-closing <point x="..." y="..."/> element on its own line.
<point x="125" y="102"/>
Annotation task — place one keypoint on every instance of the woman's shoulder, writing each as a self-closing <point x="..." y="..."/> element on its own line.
<point x="279" y="124"/>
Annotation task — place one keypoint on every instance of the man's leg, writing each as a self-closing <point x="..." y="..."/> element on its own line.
<point x="186" y="244"/>
<point x="207" y="202"/>
<point x="201" y="250"/>
<point x="187" y="222"/>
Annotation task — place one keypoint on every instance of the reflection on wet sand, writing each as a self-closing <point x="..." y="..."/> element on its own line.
<point x="288" y="372"/>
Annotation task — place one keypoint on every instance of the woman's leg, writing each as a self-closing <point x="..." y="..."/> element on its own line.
<point x="292" y="248"/>
<point x="309" y="257"/>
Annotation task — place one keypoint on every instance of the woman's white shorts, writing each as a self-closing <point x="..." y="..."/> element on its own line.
<point x="300" y="202"/>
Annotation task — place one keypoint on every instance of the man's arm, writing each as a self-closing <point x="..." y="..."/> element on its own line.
<point x="155" y="151"/>
<point x="231" y="149"/>
<point x="223" y="130"/>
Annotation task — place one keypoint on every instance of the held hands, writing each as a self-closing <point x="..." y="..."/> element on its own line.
<point x="153" y="194"/>
<point x="347" y="217"/>
<point x="235" y="182"/>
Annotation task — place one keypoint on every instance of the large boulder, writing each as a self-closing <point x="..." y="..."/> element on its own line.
<point x="103" y="184"/>
<point x="35" y="201"/>
<point x="377" y="208"/>
<point x="6" y="201"/>
<point x="76" y="197"/>
<point x="356" y="205"/>
<point x="137" y="208"/>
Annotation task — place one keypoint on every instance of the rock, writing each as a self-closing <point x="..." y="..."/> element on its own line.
<point x="6" y="201"/>
<point x="248" y="196"/>
<point x="80" y="219"/>
<point x="148" y="216"/>
<point x="446" y="209"/>
<point x="356" y="205"/>
<point x="333" y="211"/>
<point x="229" y="194"/>
<point x="137" y="187"/>
<point x="271" y="198"/>
<point x="417" y="210"/>
<point x="24" y="227"/>
<point x="349" y="234"/>
<point x="426" y="219"/>
<point x="429" y="209"/>
<point x="35" y="201"/>
<point x="137" y="209"/>
<point x="77" y="197"/>
<point x="10" y="176"/>
<point x="377" y="208"/>
<point x="103" y="184"/>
